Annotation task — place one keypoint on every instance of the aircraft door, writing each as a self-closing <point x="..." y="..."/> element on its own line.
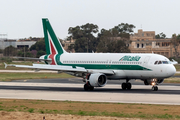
<point x="109" y="62"/>
<point x="146" y="60"/>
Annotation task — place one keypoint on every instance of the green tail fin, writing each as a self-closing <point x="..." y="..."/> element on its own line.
<point x="53" y="45"/>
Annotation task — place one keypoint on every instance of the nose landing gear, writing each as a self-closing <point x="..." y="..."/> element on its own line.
<point x="155" y="88"/>
<point x="154" y="83"/>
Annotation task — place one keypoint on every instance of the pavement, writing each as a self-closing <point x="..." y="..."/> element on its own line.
<point x="72" y="89"/>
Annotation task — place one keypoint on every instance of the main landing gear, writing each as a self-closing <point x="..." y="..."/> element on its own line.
<point x="126" y="85"/>
<point x="87" y="87"/>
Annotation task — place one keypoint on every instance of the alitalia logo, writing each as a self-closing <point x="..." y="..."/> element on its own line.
<point x="130" y="58"/>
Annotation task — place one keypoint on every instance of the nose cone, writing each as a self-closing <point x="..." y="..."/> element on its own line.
<point x="171" y="70"/>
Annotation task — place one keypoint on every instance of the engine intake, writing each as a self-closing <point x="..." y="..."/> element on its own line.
<point x="97" y="80"/>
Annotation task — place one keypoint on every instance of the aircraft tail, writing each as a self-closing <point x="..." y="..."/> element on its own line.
<point x="53" y="45"/>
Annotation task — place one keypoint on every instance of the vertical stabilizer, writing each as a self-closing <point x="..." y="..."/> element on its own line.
<point x="53" y="45"/>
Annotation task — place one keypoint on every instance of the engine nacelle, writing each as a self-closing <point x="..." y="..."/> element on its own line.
<point x="97" y="80"/>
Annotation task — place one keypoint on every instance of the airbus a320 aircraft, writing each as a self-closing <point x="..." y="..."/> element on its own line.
<point x="97" y="68"/>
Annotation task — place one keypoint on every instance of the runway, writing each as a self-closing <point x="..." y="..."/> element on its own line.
<point x="72" y="90"/>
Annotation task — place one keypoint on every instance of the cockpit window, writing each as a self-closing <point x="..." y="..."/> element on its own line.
<point x="159" y="62"/>
<point x="162" y="62"/>
<point x="156" y="62"/>
<point x="165" y="62"/>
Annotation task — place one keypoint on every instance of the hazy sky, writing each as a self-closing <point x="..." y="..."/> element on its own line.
<point x="23" y="18"/>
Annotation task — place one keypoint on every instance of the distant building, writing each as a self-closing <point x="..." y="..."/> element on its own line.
<point x="145" y="42"/>
<point x="16" y="43"/>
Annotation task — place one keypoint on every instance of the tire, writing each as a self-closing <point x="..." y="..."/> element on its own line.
<point x="156" y="88"/>
<point x="91" y="88"/>
<point x="153" y="89"/>
<point x="128" y="86"/>
<point x="123" y="86"/>
<point x="146" y="82"/>
<point x="86" y="87"/>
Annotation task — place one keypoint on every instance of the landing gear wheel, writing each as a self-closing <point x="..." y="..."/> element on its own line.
<point x="154" y="88"/>
<point x="88" y="87"/>
<point x="91" y="88"/>
<point x="123" y="85"/>
<point x="128" y="86"/>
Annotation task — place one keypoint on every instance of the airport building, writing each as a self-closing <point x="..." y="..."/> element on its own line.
<point x="15" y="43"/>
<point x="145" y="42"/>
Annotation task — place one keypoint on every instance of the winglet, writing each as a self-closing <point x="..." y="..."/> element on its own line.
<point x="5" y="65"/>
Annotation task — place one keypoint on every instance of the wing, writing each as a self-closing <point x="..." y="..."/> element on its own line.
<point x="50" y="67"/>
<point x="38" y="67"/>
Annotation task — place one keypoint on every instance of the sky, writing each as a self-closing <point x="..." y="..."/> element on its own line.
<point x="23" y="18"/>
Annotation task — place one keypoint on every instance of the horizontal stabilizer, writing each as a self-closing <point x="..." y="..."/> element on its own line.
<point x="28" y="58"/>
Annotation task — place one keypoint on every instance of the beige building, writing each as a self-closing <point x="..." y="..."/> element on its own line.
<point x="145" y="42"/>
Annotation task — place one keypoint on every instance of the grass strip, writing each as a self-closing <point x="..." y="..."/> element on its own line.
<point x="23" y="76"/>
<point x="145" y="111"/>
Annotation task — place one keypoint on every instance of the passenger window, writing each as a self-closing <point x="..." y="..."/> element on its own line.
<point x="159" y="62"/>
<point x="156" y="62"/>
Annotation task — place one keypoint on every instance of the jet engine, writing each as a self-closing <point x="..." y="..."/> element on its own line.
<point x="97" y="80"/>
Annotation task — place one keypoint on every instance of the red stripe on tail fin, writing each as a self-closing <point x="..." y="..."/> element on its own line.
<point x="53" y="53"/>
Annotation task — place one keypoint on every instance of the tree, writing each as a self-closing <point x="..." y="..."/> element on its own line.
<point x="118" y="47"/>
<point x="175" y="40"/>
<point x="10" y="51"/>
<point x="115" y="39"/>
<point x="124" y="30"/>
<point x="40" y="53"/>
<point x="112" y="46"/>
<point x="160" y="36"/>
<point x="71" y="47"/>
<point x="84" y="35"/>
<point x="40" y="47"/>
<point x="1" y="51"/>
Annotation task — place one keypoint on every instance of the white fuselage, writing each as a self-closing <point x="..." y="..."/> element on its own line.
<point x="137" y="66"/>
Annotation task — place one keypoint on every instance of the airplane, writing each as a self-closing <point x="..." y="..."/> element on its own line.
<point x="97" y="68"/>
